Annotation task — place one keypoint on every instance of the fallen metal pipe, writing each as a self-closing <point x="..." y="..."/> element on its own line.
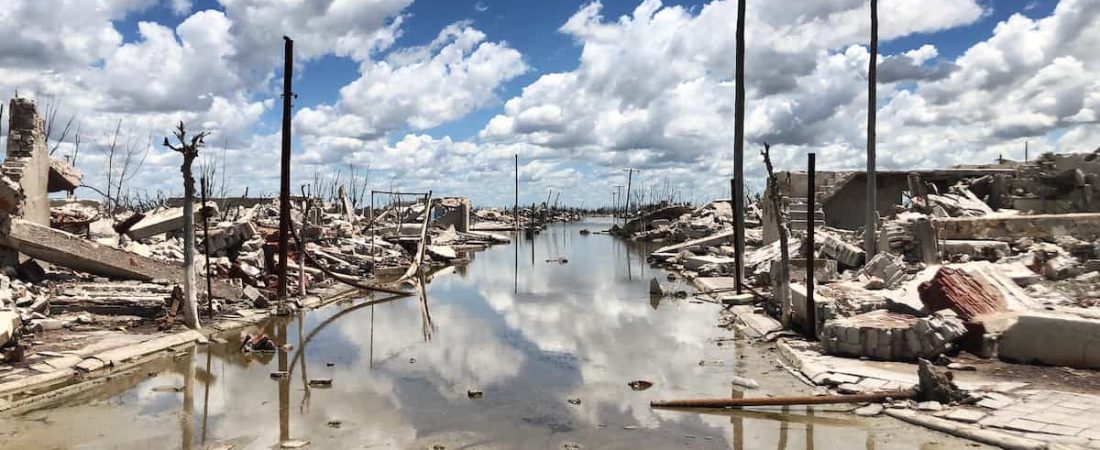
<point x="782" y="401"/>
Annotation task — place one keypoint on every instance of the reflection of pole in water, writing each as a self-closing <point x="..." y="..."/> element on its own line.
<point x="738" y="423"/>
<point x="284" y="383"/>
<point x="206" y="394"/>
<point x="187" y="419"/>
<point x="426" y="325"/>
<point x="784" y="426"/>
<point x="515" y="268"/>
<point x="304" y="406"/>
<point x="370" y="352"/>
<point x="629" y="271"/>
<point x="810" y="428"/>
<point x="738" y="370"/>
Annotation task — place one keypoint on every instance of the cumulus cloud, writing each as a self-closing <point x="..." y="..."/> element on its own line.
<point x="416" y="87"/>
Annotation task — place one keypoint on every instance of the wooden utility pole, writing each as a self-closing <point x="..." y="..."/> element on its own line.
<point x="739" y="149"/>
<point x="284" y="187"/>
<point x="869" y="231"/>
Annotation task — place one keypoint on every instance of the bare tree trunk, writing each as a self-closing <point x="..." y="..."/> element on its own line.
<point x="783" y="282"/>
<point x="189" y="152"/>
<point x="190" y="308"/>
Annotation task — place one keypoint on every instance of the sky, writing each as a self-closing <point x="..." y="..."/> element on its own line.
<point x="441" y="95"/>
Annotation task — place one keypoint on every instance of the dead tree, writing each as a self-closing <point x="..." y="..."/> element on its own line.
<point x="783" y="282"/>
<point x="189" y="150"/>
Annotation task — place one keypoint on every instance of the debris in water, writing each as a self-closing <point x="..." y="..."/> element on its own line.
<point x="574" y="401"/>
<point x="559" y="260"/>
<point x="320" y="382"/>
<point x="745" y="382"/>
<point x="259" y="344"/>
<point x="640" y="385"/>
<point x="474" y="393"/>
<point x="279" y="374"/>
<point x="335" y="423"/>
<point x="412" y="360"/>
<point x="297" y="443"/>
<point x="584" y="231"/>
<point x="168" y="389"/>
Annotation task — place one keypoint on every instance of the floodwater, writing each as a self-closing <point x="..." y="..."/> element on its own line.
<point x="551" y="346"/>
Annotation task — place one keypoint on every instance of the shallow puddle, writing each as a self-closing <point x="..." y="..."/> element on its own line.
<point x="551" y="347"/>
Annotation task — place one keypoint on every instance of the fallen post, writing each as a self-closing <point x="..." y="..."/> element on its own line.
<point x="783" y="401"/>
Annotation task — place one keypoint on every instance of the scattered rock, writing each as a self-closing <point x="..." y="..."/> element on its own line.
<point x="640" y="385"/>
<point x="474" y="393"/>
<point x="870" y="410"/>
<point x="320" y="383"/>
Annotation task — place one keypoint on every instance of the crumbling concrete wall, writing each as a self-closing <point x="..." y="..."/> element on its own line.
<point x="456" y="212"/>
<point x="1039" y="226"/>
<point x="28" y="160"/>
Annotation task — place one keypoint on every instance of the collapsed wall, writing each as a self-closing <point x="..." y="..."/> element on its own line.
<point x="28" y="160"/>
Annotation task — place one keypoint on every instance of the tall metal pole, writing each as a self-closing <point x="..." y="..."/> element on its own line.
<point x="811" y="206"/>
<point x="739" y="147"/>
<point x="515" y="208"/>
<point x="206" y="245"/>
<point x="870" y="232"/>
<point x="284" y="187"/>
<point x="736" y="247"/>
<point x="629" y="180"/>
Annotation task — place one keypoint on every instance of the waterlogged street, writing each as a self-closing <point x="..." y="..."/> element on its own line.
<point x="549" y="343"/>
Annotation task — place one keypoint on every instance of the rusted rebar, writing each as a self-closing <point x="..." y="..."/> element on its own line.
<point x="782" y="401"/>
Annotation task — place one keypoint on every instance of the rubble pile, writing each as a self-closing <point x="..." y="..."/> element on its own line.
<point x="79" y="266"/>
<point x="967" y="259"/>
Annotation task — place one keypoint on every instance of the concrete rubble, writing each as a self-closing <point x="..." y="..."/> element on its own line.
<point x="997" y="263"/>
<point x="74" y="272"/>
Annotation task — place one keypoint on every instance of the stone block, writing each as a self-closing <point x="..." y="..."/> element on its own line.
<point x="1052" y="339"/>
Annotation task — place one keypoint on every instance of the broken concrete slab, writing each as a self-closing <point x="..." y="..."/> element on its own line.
<point x="714" y="239"/>
<point x="696" y="262"/>
<point x="1039" y="226"/>
<point x="9" y="323"/>
<point x="165" y="221"/>
<point x="886" y="267"/>
<point x="63" y="249"/>
<point x="1052" y="339"/>
<point x="844" y="253"/>
<point x="987" y="250"/>
<point x="63" y="176"/>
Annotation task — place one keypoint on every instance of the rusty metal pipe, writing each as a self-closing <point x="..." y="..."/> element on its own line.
<point x="782" y="401"/>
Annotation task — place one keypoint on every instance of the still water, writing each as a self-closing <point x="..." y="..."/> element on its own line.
<point x="552" y="347"/>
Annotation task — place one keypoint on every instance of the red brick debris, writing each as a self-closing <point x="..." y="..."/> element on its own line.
<point x="967" y="295"/>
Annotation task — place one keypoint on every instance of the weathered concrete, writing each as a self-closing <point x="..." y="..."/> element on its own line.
<point x="886" y="267"/>
<point x="456" y="213"/>
<point x="697" y="262"/>
<point x="1054" y="339"/>
<point x="70" y="251"/>
<point x="977" y="249"/>
<point x="889" y="336"/>
<point x="63" y="176"/>
<point x="28" y="160"/>
<point x="165" y="221"/>
<point x="822" y="303"/>
<point x="1084" y="226"/>
<point x="845" y="253"/>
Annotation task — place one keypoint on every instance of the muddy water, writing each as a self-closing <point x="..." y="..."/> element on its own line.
<point x="551" y="346"/>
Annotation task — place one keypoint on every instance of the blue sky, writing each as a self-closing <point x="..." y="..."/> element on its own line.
<point x="966" y="80"/>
